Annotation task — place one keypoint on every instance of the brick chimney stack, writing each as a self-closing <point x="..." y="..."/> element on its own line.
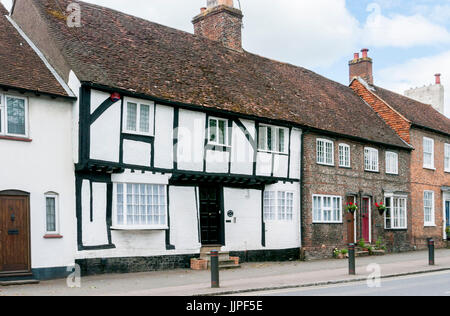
<point x="362" y="67"/>
<point x="221" y="22"/>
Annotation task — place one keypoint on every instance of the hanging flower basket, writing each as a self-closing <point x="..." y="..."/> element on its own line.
<point x="381" y="208"/>
<point x="351" y="208"/>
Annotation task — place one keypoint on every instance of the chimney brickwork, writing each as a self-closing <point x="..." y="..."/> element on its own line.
<point x="220" y="22"/>
<point x="362" y="67"/>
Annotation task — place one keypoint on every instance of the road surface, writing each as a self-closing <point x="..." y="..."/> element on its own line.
<point x="432" y="284"/>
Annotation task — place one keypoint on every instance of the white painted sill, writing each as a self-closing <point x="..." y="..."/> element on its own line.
<point x="429" y="168"/>
<point x="137" y="228"/>
<point x="430" y="225"/>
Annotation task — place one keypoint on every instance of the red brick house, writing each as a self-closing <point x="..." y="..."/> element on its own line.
<point x="428" y="131"/>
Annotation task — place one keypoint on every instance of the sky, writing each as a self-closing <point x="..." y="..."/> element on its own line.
<point x="409" y="40"/>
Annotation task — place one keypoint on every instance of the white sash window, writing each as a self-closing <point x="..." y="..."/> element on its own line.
<point x="13" y="116"/>
<point x="447" y="157"/>
<point x="371" y="159"/>
<point x="428" y="208"/>
<point x="140" y="206"/>
<point x="344" y="156"/>
<point x="395" y="216"/>
<point x="391" y="163"/>
<point x="325" y="152"/>
<point x="428" y="153"/>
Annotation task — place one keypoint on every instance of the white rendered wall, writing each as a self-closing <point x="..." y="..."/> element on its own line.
<point x="45" y="165"/>
<point x="105" y="131"/>
<point x="164" y="141"/>
<point x="191" y="140"/>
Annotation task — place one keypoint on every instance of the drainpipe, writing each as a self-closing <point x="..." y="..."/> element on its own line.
<point x="302" y="165"/>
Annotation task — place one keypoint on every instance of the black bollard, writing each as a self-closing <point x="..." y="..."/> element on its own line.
<point x="351" y="259"/>
<point x="431" y="252"/>
<point x="215" y="284"/>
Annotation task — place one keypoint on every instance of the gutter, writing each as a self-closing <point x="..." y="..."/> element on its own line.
<point x="38" y="93"/>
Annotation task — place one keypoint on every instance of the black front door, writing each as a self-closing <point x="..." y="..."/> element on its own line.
<point x="211" y="215"/>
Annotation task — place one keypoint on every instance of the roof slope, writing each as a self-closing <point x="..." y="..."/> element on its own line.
<point x="20" y="66"/>
<point x="121" y="51"/>
<point x="418" y="113"/>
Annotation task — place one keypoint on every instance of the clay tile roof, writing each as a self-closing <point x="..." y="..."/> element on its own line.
<point x="20" y="66"/>
<point x="117" y="50"/>
<point x="420" y="114"/>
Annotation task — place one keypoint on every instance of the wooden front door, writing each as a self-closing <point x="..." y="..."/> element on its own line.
<point x="211" y="215"/>
<point x="14" y="235"/>
<point x="365" y="219"/>
<point x="351" y="222"/>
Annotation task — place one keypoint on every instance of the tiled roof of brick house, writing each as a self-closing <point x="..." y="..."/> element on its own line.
<point x="20" y="66"/>
<point x="120" y="51"/>
<point x="420" y="114"/>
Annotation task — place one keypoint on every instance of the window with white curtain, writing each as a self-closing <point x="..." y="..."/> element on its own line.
<point x="327" y="209"/>
<point x="428" y="208"/>
<point x="272" y="139"/>
<point x="447" y="157"/>
<point x="391" y="162"/>
<point x="325" y="152"/>
<point x="278" y="205"/>
<point x="138" y="117"/>
<point x="395" y="216"/>
<point x="371" y="159"/>
<point x="428" y="153"/>
<point x="344" y="155"/>
<point x="13" y="116"/>
<point x="140" y="205"/>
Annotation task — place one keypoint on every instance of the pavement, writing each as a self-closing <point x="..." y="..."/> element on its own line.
<point x="250" y="278"/>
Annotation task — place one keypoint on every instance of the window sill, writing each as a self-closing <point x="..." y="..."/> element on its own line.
<point x="430" y="225"/>
<point x="344" y="167"/>
<point x="328" y="223"/>
<point x="272" y="152"/>
<point x="429" y="168"/>
<point x="15" y="138"/>
<point x="326" y="164"/>
<point x="396" y="229"/>
<point x="392" y="174"/>
<point x="372" y="171"/>
<point x="134" y="228"/>
<point x="53" y="236"/>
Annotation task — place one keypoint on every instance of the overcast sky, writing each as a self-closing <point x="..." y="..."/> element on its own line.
<point x="408" y="40"/>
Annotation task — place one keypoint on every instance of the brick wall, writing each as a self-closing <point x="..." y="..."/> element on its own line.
<point x="319" y="240"/>
<point x="397" y="122"/>
<point x="428" y="180"/>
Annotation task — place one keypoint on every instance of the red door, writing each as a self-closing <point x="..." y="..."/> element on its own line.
<point x="365" y="216"/>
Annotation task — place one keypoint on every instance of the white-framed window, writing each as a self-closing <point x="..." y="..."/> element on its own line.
<point x="13" y="116"/>
<point x="428" y="153"/>
<point x="278" y="205"/>
<point x="325" y="152"/>
<point x="344" y="156"/>
<point x="140" y="206"/>
<point x="272" y="139"/>
<point x="395" y="216"/>
<point x="391" y="162"/>
<point x="327" y="209"/>
<point x="51" y="213"/>
<point x="371" y="159"/>
<point x="447" y="157"/>
<point x="429" y="208"/>
<point x="138" y="117"/>
<point x="217" y="131"/>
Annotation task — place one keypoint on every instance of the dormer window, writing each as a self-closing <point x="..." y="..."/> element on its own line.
<point x="13" y="116"/>
<point x="138" y="117"/>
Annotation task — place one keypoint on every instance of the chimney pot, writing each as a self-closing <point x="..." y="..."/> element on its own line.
<point x="438" y="78"/>
<point x="202" y="9"/>
<point x="356" y="56"/>
<point x="365" y="52"/>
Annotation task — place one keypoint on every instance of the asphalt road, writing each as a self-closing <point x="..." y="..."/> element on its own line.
<point x="433" y="284"/>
